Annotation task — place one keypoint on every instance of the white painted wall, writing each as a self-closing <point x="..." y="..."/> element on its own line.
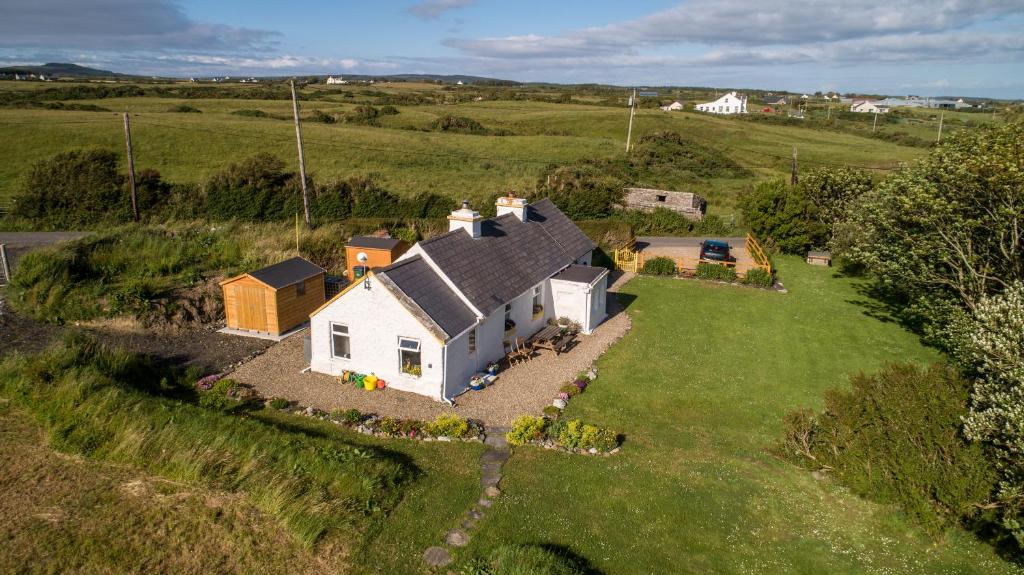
<point x="375" y="320"/>
<point x="598" y="304"/>
<point x="582" y="303"/>
<point x="730" y="103"/>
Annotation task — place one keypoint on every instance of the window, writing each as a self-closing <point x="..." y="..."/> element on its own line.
<point x="662" y="198"/>
<point x="341" y="346"/>
<point x="300" y="288"/>
<point x="538" y="301"/>
<point x="472" y="341"/>
<point x="409" y="356"/>
<point x="508" y="312"/>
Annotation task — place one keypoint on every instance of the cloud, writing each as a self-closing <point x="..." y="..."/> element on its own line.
<point x="796" y="29"/>
<point x="156" y="25"/>
<point x="432" y="9"/>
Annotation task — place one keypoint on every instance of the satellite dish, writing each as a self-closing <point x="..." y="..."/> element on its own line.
<point x="362" y="257"/>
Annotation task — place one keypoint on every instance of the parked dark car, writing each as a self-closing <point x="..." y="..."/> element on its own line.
<point x="715" y="250"/>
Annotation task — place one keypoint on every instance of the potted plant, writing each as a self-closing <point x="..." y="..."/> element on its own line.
<point x="510" y="326"/>
<point x="492" y="368"/>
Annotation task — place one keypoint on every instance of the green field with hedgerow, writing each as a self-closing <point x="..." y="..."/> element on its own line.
<point x="520" y="138"/>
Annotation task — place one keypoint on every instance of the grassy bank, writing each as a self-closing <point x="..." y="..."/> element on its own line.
<point x="699" y="387"/>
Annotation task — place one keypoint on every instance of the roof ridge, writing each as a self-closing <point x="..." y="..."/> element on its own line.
<point x="400" y="262"/>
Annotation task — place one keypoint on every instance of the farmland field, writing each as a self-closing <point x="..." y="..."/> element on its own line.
<point x="188" y="147"/>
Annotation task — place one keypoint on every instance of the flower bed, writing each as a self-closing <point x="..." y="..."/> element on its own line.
<point x="570" y="435"/>
<point x="553" y="432"/>
<point x="445" y="427"/>
<point x="216" y="392"/>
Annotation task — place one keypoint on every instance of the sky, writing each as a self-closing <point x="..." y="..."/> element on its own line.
<point x="971" y="48"/>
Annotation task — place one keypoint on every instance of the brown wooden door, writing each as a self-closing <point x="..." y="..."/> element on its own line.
<point x="251" y="307"/>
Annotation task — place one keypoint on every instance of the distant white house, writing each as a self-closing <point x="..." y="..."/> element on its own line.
<point x="730" y="103"/>
<point x="868" y="107"/>
<point x="338" y="80"/>
<point x="459" y="83"/>
<point x="673" y="107"/>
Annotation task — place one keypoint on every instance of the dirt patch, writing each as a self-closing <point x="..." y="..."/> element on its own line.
<point x="201" y="347"/>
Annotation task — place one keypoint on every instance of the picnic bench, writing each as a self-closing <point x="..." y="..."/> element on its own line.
<point x="551" y="338"/>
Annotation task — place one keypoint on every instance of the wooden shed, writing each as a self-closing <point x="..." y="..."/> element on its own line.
<point x="364" y="253"/>
<point x="819" y="258"/>
<point x="275" y="299"/>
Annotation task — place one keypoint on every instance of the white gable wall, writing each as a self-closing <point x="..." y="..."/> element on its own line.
<point x="582" y="303"/>
<point x="375" y="320"/>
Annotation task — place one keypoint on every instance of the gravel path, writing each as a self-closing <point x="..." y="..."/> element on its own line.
<point x="521" y="389"/>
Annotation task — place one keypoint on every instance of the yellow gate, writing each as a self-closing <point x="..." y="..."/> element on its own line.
<point x="627" y="260"/>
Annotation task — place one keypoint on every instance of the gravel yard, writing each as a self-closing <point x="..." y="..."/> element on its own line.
<point x="525" y="388"/>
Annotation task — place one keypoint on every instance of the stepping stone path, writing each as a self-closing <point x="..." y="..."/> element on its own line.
<point x="495" y="455"/>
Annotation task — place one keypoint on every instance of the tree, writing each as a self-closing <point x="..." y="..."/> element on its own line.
<point x="951" y="225"/>
<point x="992" y="346"/>
<point x="834" y="191"/>
<point x="782" y="216"/>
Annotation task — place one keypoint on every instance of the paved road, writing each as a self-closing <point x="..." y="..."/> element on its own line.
<point x="37" y="239"/>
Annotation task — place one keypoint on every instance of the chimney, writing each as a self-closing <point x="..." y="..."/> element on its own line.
<point x="466" y="219"/>
<point x="512" y="205"/>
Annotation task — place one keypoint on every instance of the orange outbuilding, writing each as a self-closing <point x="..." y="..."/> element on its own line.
<point x="275" y="299"/>
<point x="364" y="253"/>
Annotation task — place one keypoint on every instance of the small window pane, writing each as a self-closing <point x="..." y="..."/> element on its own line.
<point x="409" y="344"/>
<point x="300" y="288"/>
<point x="472" y="341"/>
<point x="341" y="346"/>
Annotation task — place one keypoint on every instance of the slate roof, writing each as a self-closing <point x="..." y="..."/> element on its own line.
<point x="580" y="274"/>
<point x="373" y="242"/>
<point x="510" y="256"/>
<point x="418" y="280"/>
<point x="288" y="272"/>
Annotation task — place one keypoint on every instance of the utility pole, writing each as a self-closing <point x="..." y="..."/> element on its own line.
<point x="131" y="167"/>
<point x="941" y="114"/>
<point x="829" y="117"/>
<point x="632" y="110"/>
<point x="874" y="123"/>
<point x="793" y="177"/>
<point x="302" y="161"/>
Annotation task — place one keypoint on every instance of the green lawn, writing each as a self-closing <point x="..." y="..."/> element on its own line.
<point x="699" y="387"/>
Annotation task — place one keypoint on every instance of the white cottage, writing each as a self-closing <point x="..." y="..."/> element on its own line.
<point x="868" y="107"/>
<point x="451" y="304"/>
<point x="673" y="107"/>
<point x="727" y="104"/>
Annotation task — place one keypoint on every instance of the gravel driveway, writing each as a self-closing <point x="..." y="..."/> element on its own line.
<point x="525" y="388"/>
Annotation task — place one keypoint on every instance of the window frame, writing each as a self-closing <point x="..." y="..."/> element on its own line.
<point x="348" y="337"/>
<point x="300" y="288"/>
<point x="418" y="350"/>
<point x="471" y="341"/>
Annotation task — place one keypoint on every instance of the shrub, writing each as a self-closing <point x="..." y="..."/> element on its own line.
<point x="570" y="390"/>
<point x="717" y="272"/>
<point x="389" y="426"/>
<point x="526" y="428"/>
<point x="72" y="189"/>
<point x="323" y="117"/>
<point x="896" y="437"/>
<point x="184" y="109"/>
<point x="366" y="115"/>
<point x="352" y="416"/>
<point x="758" y="277"/>
<point x="279" y="403"/>
<point x="571" y="434"/>
<point x="458" y="124"/>
<point x="552" y="411"/>
<point x="220" y="396"/>
<point x="783" y="215"/>
<point x="448" y="424"/>
<point x="388" y="110"/>
<point x="410" y="427"/>
<point x="598" y="438"/>
<point x="660" y="266"/>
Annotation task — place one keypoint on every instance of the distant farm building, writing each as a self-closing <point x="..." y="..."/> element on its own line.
<point x="779" y="102"/>
<point x="276" y="299"/>
<point x="868" y="107"/>
<point x="647" y="200"/>
<point x="338" y="80"/>
<point x="673" y="107"/>
<point x="730" y="103"/>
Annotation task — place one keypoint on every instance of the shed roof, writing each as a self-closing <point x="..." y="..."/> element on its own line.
<point x="414" y="277"/>
<point x="372" y="242"/>
<point x="288" y="272"/>
<point x="510" y="256"/>
<point x="580" y="274"/>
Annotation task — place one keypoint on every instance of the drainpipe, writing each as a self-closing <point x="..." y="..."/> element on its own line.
<point x="444" y="377"/>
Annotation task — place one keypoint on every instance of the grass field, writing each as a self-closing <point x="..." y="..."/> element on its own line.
<point x="187" y="147"/>
<point x="699" y="387"/>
